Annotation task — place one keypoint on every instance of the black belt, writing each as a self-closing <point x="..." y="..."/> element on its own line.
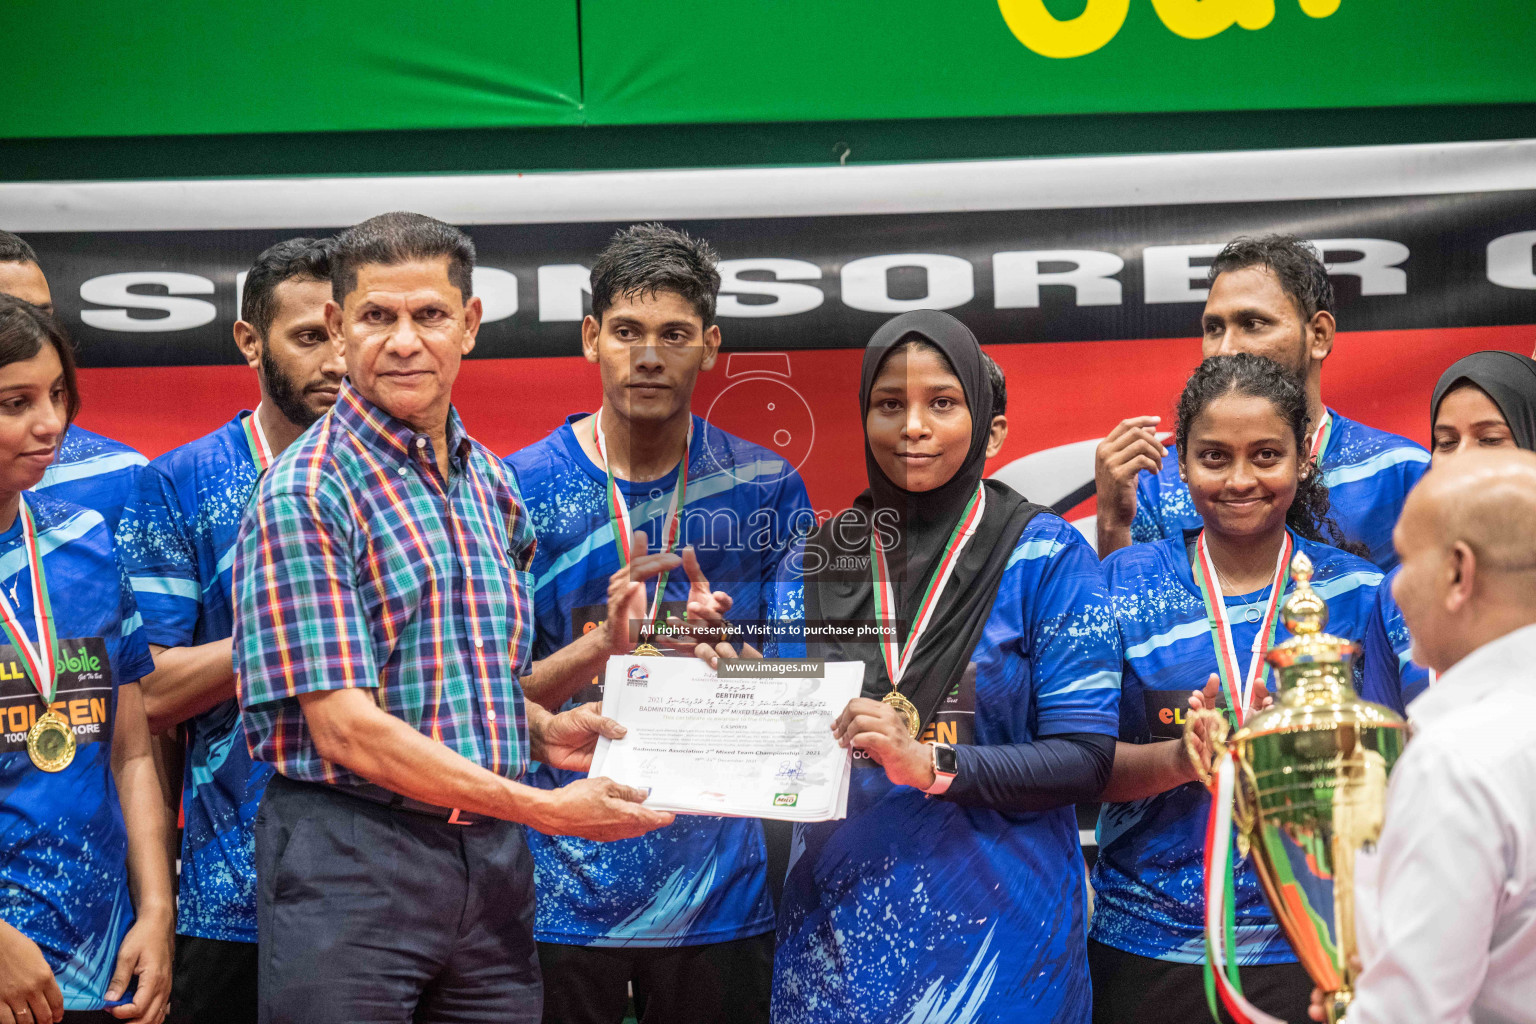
<point x="452" y="815"/>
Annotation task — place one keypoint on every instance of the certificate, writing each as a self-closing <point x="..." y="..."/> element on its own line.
<point x="729" y="743"/>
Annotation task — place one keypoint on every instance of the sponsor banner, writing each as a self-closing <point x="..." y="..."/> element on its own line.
<point x="1084" y="278"/>
<point x="837" y="59"/>
<point x="201" y="68"/>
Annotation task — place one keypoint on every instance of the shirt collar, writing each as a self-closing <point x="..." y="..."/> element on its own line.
<point x="388" y="435"/>
<point x="1502" y="664"/>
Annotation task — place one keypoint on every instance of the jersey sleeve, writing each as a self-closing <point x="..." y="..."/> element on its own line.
<point x="155" y="546"/>
<point x="793" y="521"/>
<point x="1147" y="525"/>
<point x="1382" y="684"/>
<point x="1392" y="677"/>
<point x="786" y="605"/>
<point x="300" y="627"/>
<point x="1074" y="643"/>
<point x="130" y="657"/>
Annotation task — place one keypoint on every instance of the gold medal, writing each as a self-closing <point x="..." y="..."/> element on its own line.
<point x="51" y="742"/>
<point x="648" y="651"/>
<point x="906" y="709"/>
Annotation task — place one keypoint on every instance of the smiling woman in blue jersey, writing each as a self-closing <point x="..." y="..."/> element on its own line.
<point x="1486" y="400"/>
<point x="953" y="891"/>
<point x="1195" y="612"/>
<point x="85" y="888"/>
<point x="1268" y="297"/>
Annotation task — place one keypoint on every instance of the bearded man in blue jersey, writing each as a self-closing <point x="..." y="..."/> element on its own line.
<point x="683" y="914"/>
<point x="90" y="470"/>
<point x="1269" y="297"/>
<point x="177" y="541"/>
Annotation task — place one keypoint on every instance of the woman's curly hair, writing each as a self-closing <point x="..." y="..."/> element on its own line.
<point x="1257" y="377"/>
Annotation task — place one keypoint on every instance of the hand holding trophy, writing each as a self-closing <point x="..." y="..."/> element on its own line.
<point x="1305" y="783"/>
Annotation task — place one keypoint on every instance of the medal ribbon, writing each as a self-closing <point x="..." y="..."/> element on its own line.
<point x="618" y="509"/>
<point x="40" y="660"/>
<point x="1321" y="436"/>
<point x="896" y="657"/>
<point x="256" y="438"/>
<point x="1221" y="977"/>
<point x="1238" y="688"/>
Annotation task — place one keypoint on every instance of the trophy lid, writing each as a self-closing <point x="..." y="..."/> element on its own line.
<point x="1305" y="614"/>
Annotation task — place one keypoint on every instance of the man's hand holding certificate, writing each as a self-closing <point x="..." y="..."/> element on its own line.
<point x="751" y="740"/>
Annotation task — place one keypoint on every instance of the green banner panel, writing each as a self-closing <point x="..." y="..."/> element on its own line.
<point x="97" y="67"/>
<point x="777" y="60"/>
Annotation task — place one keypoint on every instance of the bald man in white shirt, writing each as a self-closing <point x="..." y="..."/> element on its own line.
<point x="1447" y="901"/>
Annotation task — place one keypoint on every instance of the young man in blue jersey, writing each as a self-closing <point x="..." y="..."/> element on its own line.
<point x="1270" y="297"/>
<point x="90" y="470"/>
<point x="683" y="914"/>
<point x="177" y="541"/>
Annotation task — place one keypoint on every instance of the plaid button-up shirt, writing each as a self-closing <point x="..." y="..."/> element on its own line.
<point x="358" y="566"/>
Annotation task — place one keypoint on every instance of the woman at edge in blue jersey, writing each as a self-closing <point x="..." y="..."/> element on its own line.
<point x="953" y="890"/>
<point x="1242" y="426"/>
<point x="1485" y="400"/>
<point x="86" y="903"/>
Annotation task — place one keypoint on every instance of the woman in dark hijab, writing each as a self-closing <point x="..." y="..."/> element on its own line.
<point x="1486" y="400"/>
<point x="954" y="888"/>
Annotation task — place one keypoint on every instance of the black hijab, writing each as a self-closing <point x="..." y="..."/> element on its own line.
<point x="1506" y="377"/>
<point x="838" y="578"/>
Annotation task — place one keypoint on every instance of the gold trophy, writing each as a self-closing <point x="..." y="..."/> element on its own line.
<point x="1311" y="788"/>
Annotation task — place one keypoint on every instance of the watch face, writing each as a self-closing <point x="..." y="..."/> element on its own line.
<point x="944" y="760"/>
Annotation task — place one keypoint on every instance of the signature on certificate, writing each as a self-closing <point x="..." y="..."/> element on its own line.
<point x="791" y="769"/>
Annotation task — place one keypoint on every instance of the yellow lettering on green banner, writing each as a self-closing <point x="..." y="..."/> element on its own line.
<point x="1041" y="31"/>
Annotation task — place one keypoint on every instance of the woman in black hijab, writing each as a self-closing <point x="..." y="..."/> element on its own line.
<point x="954" y="888"/>
<point x="1486" y="400"/>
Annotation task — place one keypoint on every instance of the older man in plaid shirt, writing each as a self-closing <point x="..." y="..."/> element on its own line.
<point x="383" y="620"/>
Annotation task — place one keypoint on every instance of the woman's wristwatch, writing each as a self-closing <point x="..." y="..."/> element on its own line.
<point x="945" y="766"/>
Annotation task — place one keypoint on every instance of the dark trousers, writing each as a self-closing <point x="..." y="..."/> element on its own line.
<point x="716" y="983"/>
<point x="374" y="915"/>
<point x="1127" y="987"/>
<point x="213" y="982"/>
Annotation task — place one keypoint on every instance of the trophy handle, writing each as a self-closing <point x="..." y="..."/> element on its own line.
<point x="1220" y="729"/>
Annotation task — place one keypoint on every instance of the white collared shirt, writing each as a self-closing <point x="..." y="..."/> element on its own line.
<point x="1447" y="901"/>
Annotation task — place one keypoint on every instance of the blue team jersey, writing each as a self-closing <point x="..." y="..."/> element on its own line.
<point x="1392" y="677"/>
<point x="1369" y="473"/>
<point x="63" y="862"/>
<point x="177" y="542"/>
<point x="94" y="472"/>
<point x="1147" y="880"/>
<point x="701" y="879"/>
<point x="917" y="909"/>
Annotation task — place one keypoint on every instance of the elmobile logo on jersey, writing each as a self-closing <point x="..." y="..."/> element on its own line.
<point x="1037" y="28"/>
<point x="79" y="661"/>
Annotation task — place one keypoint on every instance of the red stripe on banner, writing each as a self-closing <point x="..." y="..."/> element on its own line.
<point x="1059" y="393"/>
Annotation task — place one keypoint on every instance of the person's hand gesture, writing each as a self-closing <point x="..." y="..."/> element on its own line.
<point x="1210" y="697"/>
<point x="146" y="952"/>
<point x="627" y="607"/>
<point x="1320" y="999"/>
<point x="568" y="739"/>
<point x="1130" y="448"/>
<point x="881" y="731"/>
<point x="706" y="607"/>
<point x="28" y="990"/>
<point x="597" y="808"/>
